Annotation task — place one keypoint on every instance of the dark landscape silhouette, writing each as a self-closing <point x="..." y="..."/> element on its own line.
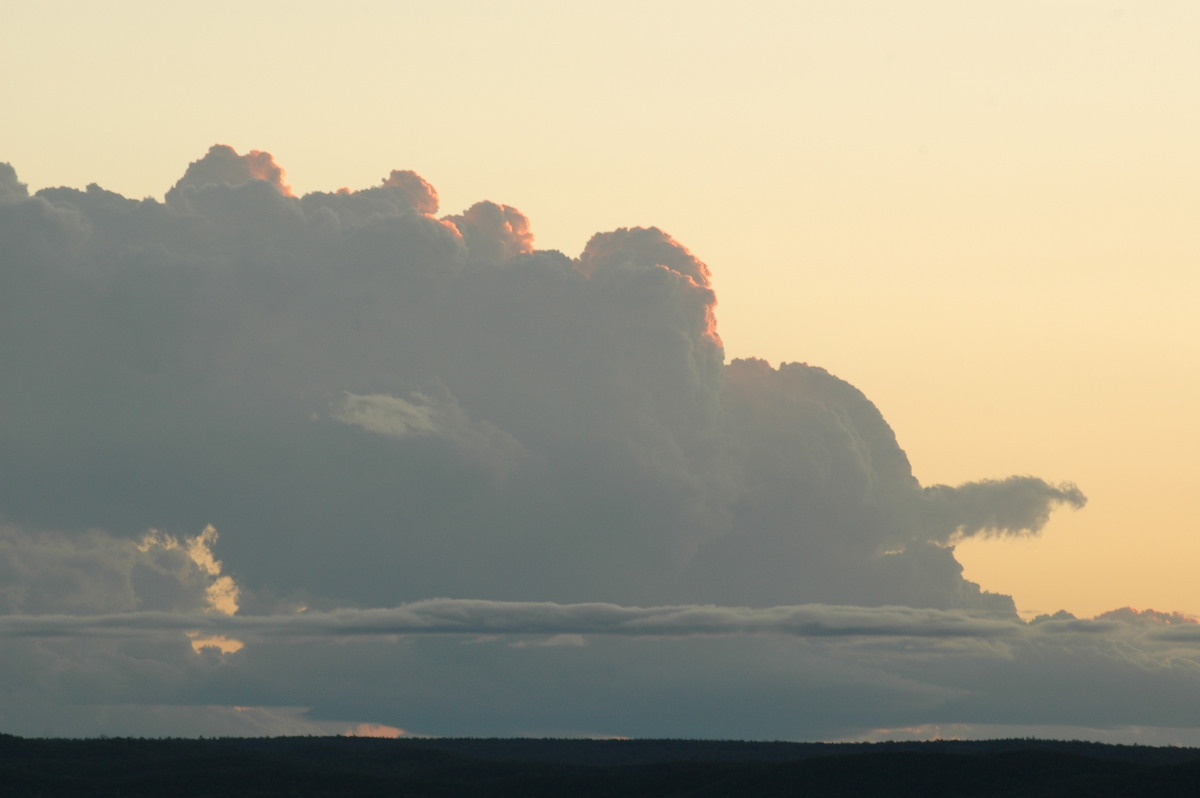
<point x="331" y="766"/>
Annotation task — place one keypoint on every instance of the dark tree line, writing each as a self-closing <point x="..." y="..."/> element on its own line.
<point x="337" y="766"/>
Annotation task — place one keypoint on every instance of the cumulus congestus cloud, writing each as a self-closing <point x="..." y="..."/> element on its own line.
<point x="243" y="356"/>
<point x="378" y="405"/>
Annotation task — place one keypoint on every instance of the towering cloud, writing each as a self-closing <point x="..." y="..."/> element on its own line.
<point x="378" y="406"/>
<point x="223" y="166"/>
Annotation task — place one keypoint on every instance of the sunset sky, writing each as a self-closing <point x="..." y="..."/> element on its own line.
<point x="431" y="387"/>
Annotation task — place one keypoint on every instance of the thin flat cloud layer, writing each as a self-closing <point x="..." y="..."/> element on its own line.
<point x="477" y="617"/>
<point x="437" y="455"/>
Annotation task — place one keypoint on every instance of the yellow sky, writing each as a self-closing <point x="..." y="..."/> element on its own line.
<point x="980" y="214"/>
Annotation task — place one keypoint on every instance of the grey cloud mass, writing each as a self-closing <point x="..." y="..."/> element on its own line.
<point x="380" y="407"/>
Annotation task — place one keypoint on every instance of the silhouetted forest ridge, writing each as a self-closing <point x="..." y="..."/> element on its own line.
<point x="530" y="768"/>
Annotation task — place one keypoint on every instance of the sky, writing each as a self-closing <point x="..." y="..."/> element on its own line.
<point x="803" y="370"/>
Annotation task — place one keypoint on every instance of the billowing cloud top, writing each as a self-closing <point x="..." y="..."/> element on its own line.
<point x="352" y="386"/>
<point x="378" y="406"/>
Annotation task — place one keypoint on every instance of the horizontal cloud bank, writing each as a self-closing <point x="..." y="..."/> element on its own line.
<point x="478" y="617"/>
<point x="475" y="617"/>
<point x="376" y="405"/>
<point x="461" y="667"/>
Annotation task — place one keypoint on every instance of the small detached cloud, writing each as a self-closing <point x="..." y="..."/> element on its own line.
<point x="995" y="507"/>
